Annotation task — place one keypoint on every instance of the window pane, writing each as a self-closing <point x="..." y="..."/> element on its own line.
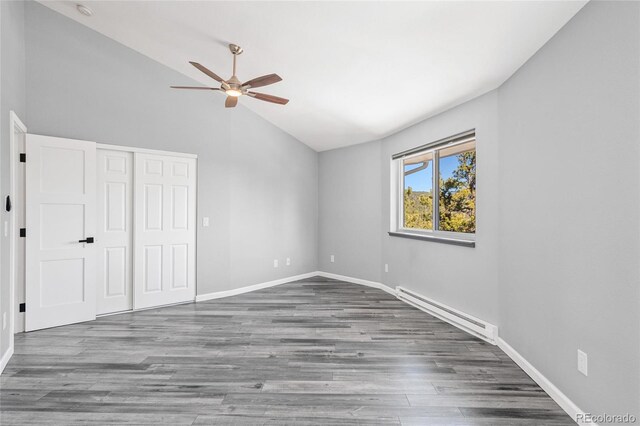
<point x="457" y="203"/>
<point x="418" y="192"/>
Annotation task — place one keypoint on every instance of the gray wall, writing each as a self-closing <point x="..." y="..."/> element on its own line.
<point x="355" y="207"/>
<point x="256" y="183"/>
<point x="570" y="248"/>
<point x="556" y="262"/>
<point x="12" y="97"/>
<point x="349" y="211"/>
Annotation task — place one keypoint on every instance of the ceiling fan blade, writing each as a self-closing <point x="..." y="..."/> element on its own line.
<point x="265" y="80"/>
<point x="207" y="72"/>
<point x="194" y="87"/>
<point x="231" y="101"/>
<point x="268" y="98"/>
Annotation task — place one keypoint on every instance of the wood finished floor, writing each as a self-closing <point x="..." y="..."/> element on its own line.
<point x="312" y="352"/>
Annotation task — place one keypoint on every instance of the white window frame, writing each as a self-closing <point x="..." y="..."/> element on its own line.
<point x="397" y="196"/>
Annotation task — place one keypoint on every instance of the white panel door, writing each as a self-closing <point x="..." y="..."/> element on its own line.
<point x="165" y="230"/>
<point x="114" y="290"/>
<point x="60" y="213"/>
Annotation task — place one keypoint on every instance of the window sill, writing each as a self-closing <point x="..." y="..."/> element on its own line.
<point x="435" y="239"/>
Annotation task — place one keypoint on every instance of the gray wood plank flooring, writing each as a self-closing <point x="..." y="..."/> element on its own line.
<point x="316" y="351"/>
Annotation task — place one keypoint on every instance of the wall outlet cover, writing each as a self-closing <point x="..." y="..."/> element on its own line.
<point x="275" y="263"/>
<point x="333" y="258"/>
<point x="582" y="363"/>
<point x="288" y="261"/>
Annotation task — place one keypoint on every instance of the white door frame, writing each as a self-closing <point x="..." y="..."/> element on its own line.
<point x="16" y="126"/>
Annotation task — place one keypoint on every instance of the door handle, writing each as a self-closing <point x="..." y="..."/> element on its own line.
<point x="89" y="240"/>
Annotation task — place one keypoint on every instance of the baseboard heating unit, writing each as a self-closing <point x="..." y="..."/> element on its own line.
<point x="466" y="322"/>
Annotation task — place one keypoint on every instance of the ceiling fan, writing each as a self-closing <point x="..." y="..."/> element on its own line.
<point x="234" y="88"/>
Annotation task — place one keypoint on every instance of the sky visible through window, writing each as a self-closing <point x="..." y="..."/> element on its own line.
<point x="421" y="181"/>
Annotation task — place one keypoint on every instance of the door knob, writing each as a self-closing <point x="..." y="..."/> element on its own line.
<point x="89" y="240"/>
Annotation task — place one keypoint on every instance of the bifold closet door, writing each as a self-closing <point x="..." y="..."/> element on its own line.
<point x="164" y="230"/>
<point x="114" y="235"/>
<point x="60" y="214"/>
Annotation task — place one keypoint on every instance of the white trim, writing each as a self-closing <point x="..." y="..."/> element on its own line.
<point x="14" y="124"/>
<point x="5" y="359"/>
<point x="144" y="150"/>
<point x="465" y="322"/>
<point x="353" y="280"/>
<point x="254" y="287"/>
<point x="449" y="235"/>
<point x="556" y="394"/>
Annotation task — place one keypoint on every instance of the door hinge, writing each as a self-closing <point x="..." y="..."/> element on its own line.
<point x="23" y="307"/>
<point x="23" y="232"/>
<point x="23" y="157"/>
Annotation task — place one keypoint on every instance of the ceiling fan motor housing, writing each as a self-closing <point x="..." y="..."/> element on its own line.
<point x="235" y="49"/>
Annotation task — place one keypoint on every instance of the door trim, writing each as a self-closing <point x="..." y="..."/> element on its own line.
<point x="15" y="126"/>
<point x="144" y="150"/>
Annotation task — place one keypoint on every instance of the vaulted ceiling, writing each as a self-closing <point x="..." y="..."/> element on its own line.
<point x="354" y="71"/>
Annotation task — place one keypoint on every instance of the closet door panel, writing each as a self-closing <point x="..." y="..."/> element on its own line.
<point x="165" y="233"/>
<point x="115" y="231"/>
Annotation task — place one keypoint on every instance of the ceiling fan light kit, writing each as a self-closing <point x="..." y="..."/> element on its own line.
<point x="234" y="88"/>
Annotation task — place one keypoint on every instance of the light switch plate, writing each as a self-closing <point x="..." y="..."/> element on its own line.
<point x="275" y="263"/>
<point x="205" y="222"/>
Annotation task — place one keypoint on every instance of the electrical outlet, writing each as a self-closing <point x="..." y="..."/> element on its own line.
<point x="275" y="263"/>
<point x="4" y="320"/>
<point x="288" y="261"/>
<point x="386" y="267"/>
<point x="205" y="222"/>
<point x="333" y="258"/>
<point x="582" y="362"/>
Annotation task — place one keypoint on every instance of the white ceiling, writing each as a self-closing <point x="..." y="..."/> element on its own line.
<point x="354" y="71"/>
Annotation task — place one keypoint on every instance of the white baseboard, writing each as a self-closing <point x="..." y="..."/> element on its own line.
<point x="353" y="280"/>
<point x="5" y="358"/>
<point x="556" y="394"/>
<point x="254" y="287"/>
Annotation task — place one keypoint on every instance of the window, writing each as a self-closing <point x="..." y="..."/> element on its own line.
<point x="437" y="189"/>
